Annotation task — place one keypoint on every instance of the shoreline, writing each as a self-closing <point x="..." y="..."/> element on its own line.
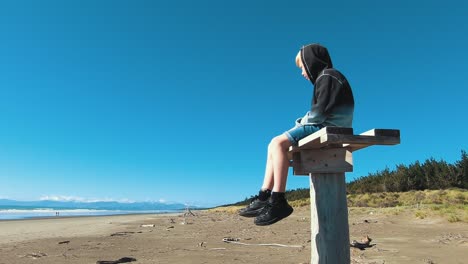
<point x="32" y="218"/>
<point x="24" y="230"/>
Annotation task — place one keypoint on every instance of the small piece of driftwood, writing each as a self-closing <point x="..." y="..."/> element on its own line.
<point x="121" y="260"/>
<point x="365" y="243"/>
<point x="150" y="225"/>
<point x="125" y="233"/>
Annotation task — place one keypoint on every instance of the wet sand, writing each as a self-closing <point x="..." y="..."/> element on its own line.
<point x="397" y="238"/>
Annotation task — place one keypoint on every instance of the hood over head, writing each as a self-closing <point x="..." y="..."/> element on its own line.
<point x="315" y="59"/>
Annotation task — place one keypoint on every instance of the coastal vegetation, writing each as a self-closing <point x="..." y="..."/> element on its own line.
<point x="432" y="187"/>
<point x="428" y="175"/>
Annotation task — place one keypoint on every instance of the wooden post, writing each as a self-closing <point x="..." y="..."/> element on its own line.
<point x="325" y="156"/>
<point x="329" y="218"/>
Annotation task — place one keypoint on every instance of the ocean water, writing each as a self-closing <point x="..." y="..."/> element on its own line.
<point x="27" y="212"/>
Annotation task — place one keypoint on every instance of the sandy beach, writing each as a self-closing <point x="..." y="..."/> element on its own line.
<point x="397" y="238"/>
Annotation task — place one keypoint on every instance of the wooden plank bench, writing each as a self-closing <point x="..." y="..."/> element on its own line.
<point x="325" y="156"/>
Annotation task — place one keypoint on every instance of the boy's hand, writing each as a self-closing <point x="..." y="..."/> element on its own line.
<point x="298" y="121"/>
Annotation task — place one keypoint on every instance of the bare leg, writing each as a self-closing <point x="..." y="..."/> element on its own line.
<point x="279" y="149"/>
<point x="277" y="164"/>
<point x="268" y="180"/>
<point x="278" y="207"/>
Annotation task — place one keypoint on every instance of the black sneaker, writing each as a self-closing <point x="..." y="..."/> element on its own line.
<point x="254" y="208"/>
<point x="273" y="212"/>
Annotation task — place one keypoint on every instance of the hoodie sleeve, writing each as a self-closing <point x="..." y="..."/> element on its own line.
<point x="325" y="97"/>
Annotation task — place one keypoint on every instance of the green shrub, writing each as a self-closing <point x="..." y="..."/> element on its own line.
<point x="421" y="214"/>
<point x="452" y="218"/>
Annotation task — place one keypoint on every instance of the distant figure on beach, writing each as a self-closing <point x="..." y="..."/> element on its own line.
<point x="332" y="105"/>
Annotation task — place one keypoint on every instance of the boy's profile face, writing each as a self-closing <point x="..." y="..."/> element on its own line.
<point x="301" y="65"/>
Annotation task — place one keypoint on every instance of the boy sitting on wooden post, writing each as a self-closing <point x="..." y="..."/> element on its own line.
<point x="332" y="105"/>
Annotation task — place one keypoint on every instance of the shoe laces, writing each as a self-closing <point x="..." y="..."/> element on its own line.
<point x="253" y="199"/>
<point x="266" y="208"/>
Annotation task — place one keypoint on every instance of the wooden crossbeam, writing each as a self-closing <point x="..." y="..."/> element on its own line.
<point x="335" y="138"/>
<point x="342" y="137"/>
<point x="358" y="139"/>
<point x="322" y="161"/>
<point x="314" y="141"/>
<point x="374" y="137"/>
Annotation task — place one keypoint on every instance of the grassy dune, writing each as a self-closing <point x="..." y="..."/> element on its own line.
<point x="451" y="204"/>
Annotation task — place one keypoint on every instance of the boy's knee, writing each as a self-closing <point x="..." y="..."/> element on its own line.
<point x="279" y="142"/>
<point x="272" y="145"/>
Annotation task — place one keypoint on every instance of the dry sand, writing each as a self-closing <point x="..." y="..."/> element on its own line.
<point x="401" y="238"/>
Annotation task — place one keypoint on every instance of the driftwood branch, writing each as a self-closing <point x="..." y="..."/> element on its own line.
<point x="365" y="243"/>
<point x="188" y="212"/>
<point x="121" y="260"/>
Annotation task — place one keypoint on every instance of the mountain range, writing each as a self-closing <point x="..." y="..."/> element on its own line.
<point x="101" y="205"/>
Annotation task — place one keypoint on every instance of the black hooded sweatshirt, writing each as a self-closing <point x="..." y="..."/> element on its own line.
<point x="332" y="101"/>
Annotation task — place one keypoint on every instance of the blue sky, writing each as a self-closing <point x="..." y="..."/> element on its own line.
<point x="177" y="100"/>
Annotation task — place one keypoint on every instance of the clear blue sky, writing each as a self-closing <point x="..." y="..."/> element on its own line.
<point x="177" y="100"/>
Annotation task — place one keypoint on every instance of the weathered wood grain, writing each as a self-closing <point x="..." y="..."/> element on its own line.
<point x="322" y="161"/>
<point x="325" y="156"/>
<point x="329" y="219"/>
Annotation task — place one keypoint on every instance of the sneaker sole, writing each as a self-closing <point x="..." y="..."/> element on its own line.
<point x="274" y="220"/>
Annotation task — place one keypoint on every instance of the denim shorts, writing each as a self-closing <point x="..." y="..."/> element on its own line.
<point x="301" y="131"/>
